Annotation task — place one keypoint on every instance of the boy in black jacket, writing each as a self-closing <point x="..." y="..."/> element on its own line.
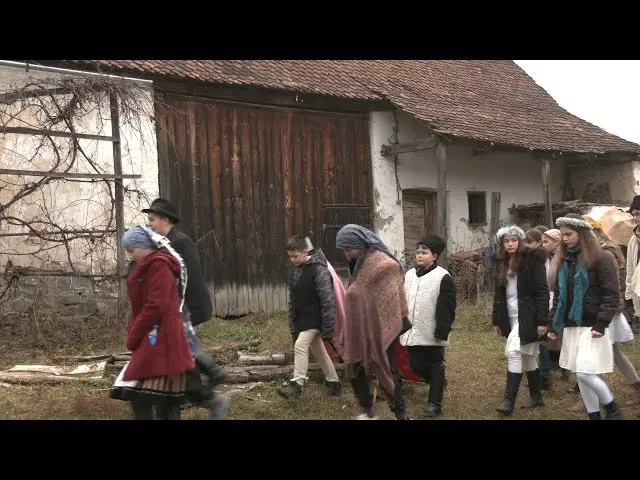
<point x="312" y="314"/>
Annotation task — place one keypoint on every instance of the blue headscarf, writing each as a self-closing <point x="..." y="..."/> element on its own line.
<point x="355" y="237"/>
<point x="138" y="237"/>
<point x="143" y="237"/>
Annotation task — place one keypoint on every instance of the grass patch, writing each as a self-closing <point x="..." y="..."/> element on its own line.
<point x="476" y="370"/>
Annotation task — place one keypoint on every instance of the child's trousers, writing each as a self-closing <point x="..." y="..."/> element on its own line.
<point x="310" y="340"/>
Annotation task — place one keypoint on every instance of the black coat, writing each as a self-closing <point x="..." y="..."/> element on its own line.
<point x="533" y="298"/>
<point x="197" y="297"/>
<point x="602" y="299"/>
<point x="311" y="297"/>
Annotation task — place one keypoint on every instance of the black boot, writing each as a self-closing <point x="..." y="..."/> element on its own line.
<point x="510" y="393"/>
<point x="595" y="416"/>
<point x="436" y="392"/>
<point x="214" y="373"/>
<point x="612" y="411"/>
<point x="333" y="388"/>
<point x="534" y="379"/>
<point x="290" y="390"/>
<point x="218" y="407"/>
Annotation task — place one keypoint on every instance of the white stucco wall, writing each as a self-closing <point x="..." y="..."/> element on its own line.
<point x="70" y="204"/>
<point x="518" y="177"/>
<point x="614" y="183"/>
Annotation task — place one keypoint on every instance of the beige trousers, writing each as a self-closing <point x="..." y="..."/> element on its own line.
<point x="310" y="340"/>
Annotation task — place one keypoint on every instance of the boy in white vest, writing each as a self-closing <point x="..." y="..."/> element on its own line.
<point x="431" y="298"/>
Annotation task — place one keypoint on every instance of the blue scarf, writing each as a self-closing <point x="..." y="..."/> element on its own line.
<point x="580" y="286"/>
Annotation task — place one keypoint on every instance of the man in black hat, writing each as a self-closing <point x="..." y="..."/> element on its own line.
<point x="162" y="218"/>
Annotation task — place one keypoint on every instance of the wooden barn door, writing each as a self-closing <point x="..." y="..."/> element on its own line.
<point x="419" y="216"/>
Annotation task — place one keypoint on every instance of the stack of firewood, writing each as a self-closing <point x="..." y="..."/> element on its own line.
<point x="248" y="367"/>
<point x="464" y="268"/>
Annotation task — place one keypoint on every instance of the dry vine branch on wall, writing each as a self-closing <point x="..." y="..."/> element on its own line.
<point x="55" y="223"/>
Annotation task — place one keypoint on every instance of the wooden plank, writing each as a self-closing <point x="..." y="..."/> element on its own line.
<point x="441" y="167"/>
<point x="121" y="261"/>
<point x="39" y="173"/>
<point x="389" y="150"/>
<point x="54" y="133"/>
<point x="13" y="97"/>
<point x="45" y="233"/>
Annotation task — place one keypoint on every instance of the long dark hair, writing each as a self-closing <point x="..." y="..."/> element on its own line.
<point x="503" y="259"/>
<point x="533" y="235"/>
<point x="590" y="249"/>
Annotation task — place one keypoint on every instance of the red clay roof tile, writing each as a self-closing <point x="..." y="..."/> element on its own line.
<point x="485" y="100"/>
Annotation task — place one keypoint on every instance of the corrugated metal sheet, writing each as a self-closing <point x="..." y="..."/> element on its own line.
<point x="245" y="178"/>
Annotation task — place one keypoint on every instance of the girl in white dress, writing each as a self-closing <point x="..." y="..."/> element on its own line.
<point x="520" y="313"/>
<point x="585" y="299"/>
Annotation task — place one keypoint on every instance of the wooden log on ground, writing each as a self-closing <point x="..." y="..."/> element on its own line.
<point x="234" y="346"/>
<point x="26" y="379"/>
<point x="244" y="374"/>
<point x="120" y="358"/>
<point x="265" y="373"/>
<point x="275" y="359"/>
<point x="82" y="358"/>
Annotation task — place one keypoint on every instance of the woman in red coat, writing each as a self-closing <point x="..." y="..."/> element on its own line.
<point x="161" y="355"/>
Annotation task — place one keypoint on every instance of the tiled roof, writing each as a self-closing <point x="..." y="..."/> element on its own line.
<point x="485" y="100"/>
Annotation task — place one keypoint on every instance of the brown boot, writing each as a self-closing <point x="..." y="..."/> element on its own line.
<point x="578" y="407"/>
<point x="635" y="401"/>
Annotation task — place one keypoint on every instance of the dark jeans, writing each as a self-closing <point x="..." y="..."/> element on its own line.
<point x="545" y="361"/>
<point x="143" y="410"/>
<point x="423" y="359"/>
<point x="362" y="388"/>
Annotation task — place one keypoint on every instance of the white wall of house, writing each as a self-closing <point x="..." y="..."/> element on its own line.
<point x="72" y="205"/>
<point x="615" y="183"/>
<point x="517" y="176"/>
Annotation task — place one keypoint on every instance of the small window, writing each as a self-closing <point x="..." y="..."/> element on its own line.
<point x="477" y="208"/>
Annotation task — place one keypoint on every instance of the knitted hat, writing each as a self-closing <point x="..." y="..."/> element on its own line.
<point x="635" y="204"/>
<point x="433" y="243"/>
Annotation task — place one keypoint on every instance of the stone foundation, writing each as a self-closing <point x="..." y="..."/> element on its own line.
<point x="66" y="296"/>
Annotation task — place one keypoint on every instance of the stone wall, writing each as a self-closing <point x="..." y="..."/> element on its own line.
<point x="64" y="296"/>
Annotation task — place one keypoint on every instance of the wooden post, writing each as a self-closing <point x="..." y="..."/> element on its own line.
<point x="119" y="199"/>
<point x="495" y="215"/>
<point x="496" y="198"/>
<point x="546" y="192"/>
<point x="441" y="167"/>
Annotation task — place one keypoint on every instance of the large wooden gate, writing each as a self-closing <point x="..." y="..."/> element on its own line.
<point x="245" y="178"/>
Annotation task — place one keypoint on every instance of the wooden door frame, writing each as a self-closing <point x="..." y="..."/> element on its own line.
<point x="426" y="192"/>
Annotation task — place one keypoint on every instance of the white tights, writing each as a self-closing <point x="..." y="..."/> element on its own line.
<point x="594" y="391"/>
<point x="518" y="362"/>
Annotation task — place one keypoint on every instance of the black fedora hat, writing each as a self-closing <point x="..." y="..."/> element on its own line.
<point x="165" y="208"/>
